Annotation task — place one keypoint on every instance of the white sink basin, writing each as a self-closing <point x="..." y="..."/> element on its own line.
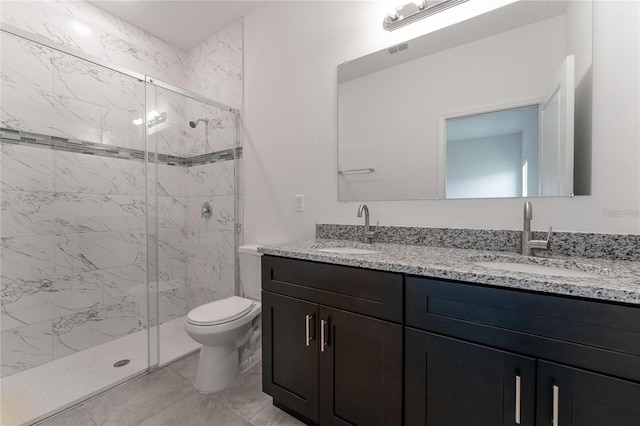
<point x="347" y="250"/>
<point x="528" y="268"/>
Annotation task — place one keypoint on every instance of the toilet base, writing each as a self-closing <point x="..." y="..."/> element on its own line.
<point x="218" y="367"/>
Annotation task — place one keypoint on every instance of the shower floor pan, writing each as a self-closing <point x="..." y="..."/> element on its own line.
<point x="47" y="389"/>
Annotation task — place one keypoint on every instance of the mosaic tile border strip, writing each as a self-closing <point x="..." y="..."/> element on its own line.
<point x="214" y="157"/>
<point x="574" y="244"/>
<point x="19" y="137"/>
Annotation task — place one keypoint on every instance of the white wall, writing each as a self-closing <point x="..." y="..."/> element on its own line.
<point x="291" y="53"/>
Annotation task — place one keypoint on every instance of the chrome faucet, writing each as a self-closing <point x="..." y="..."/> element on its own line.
<point x="527" y="244"/>
<point x="368" y="235"/>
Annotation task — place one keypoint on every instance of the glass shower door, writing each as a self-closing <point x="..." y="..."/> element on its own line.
<point x="73" y="228"/>
<point x="192" y="141"/>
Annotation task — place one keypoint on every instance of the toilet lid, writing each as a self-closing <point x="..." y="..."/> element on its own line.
<point x="220" y="311"/>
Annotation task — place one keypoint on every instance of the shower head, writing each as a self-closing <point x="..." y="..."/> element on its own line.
<point x="193" y="124"/>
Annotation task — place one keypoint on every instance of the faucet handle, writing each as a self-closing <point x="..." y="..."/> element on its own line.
<point x="549" y="235"/>
<point x="542" y="244"/>
<point x="370" y="235"/>
<point x="549" y="238"/>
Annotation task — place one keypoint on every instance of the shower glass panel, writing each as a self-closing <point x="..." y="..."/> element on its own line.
<point x="73" y="227"/>
<point x="193" y="142"/>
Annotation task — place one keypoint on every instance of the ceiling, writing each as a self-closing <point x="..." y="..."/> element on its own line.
<point x="498" y="123"/>
<point x="181" y="23"/>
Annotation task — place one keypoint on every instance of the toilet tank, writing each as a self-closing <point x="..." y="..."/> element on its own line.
<point x="250" y="273"/>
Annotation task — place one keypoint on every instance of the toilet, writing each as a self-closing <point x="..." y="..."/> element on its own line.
<point x="224" y="326"/>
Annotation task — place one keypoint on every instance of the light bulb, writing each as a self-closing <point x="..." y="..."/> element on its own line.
<point x="153" y="115"/>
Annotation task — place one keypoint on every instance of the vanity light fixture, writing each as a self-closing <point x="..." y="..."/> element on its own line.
<point x="415" y="10"/>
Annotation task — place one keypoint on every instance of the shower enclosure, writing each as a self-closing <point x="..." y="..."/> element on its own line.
<point x="104" y="247"/>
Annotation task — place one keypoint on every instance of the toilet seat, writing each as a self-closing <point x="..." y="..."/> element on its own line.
<point x="220" y="311"/>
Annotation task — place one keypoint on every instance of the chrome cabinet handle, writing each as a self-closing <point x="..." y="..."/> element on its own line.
<point x="518" y="396"/>
<point x="308" y="337"/>
<point x="556" y="403"/>
<point x="323" y="336"/>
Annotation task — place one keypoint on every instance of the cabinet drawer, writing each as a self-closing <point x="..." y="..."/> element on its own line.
<point x="595" y="335"/>
<point x="374" y="293"/>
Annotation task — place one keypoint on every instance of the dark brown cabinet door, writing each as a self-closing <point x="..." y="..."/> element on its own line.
<point x="290" y="353"/>
<point x="580" y="398"/>
<point x="360" y="370"/>
<point x="449" y="382"/>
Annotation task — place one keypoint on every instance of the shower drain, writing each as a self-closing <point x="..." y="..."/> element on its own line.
<point x="121" y="363"/>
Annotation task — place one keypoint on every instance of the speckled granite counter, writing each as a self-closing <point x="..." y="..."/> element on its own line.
<point x="617" y="281"/>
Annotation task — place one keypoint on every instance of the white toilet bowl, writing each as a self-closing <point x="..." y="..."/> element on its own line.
<point x="221" y="327"/>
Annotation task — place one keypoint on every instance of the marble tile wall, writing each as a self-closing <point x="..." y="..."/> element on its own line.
<point x="73" y="225"/>
<point x="203" y="247"/>
<point x="83" y="27"/>
<point x="73" y="252"/>
<point x="210" y="241"/>
<point x="214" y="67"/>
<point x="70" y="221"/>
<point x="215" y="71"/>
<point x="52" y="93"/>
<point x="172" y="256"/>
<point x="176" y="137"/>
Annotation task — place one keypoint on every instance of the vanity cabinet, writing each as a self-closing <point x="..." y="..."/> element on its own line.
<point x="352" y="346"/>
<point x="585" y="398"/>
<point x="488" y="356"/>
<point x="332" y="343"/>
<point x="290" y="364"/>
<point x="450" y="382"/>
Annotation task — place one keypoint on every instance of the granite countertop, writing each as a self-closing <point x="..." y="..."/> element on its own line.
<point x="617" y="281"/>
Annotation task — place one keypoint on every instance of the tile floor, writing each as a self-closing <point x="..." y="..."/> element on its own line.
<point x="168" y="397"/>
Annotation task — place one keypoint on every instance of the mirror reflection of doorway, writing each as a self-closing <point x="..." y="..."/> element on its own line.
<point x="514" y="152"/>
<point x="486" y="154"/>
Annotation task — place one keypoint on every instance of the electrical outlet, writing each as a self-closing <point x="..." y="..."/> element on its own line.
<point x="299" y="203"/>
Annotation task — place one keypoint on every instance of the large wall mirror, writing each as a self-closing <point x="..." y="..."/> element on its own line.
<point x="495" y="106"/>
